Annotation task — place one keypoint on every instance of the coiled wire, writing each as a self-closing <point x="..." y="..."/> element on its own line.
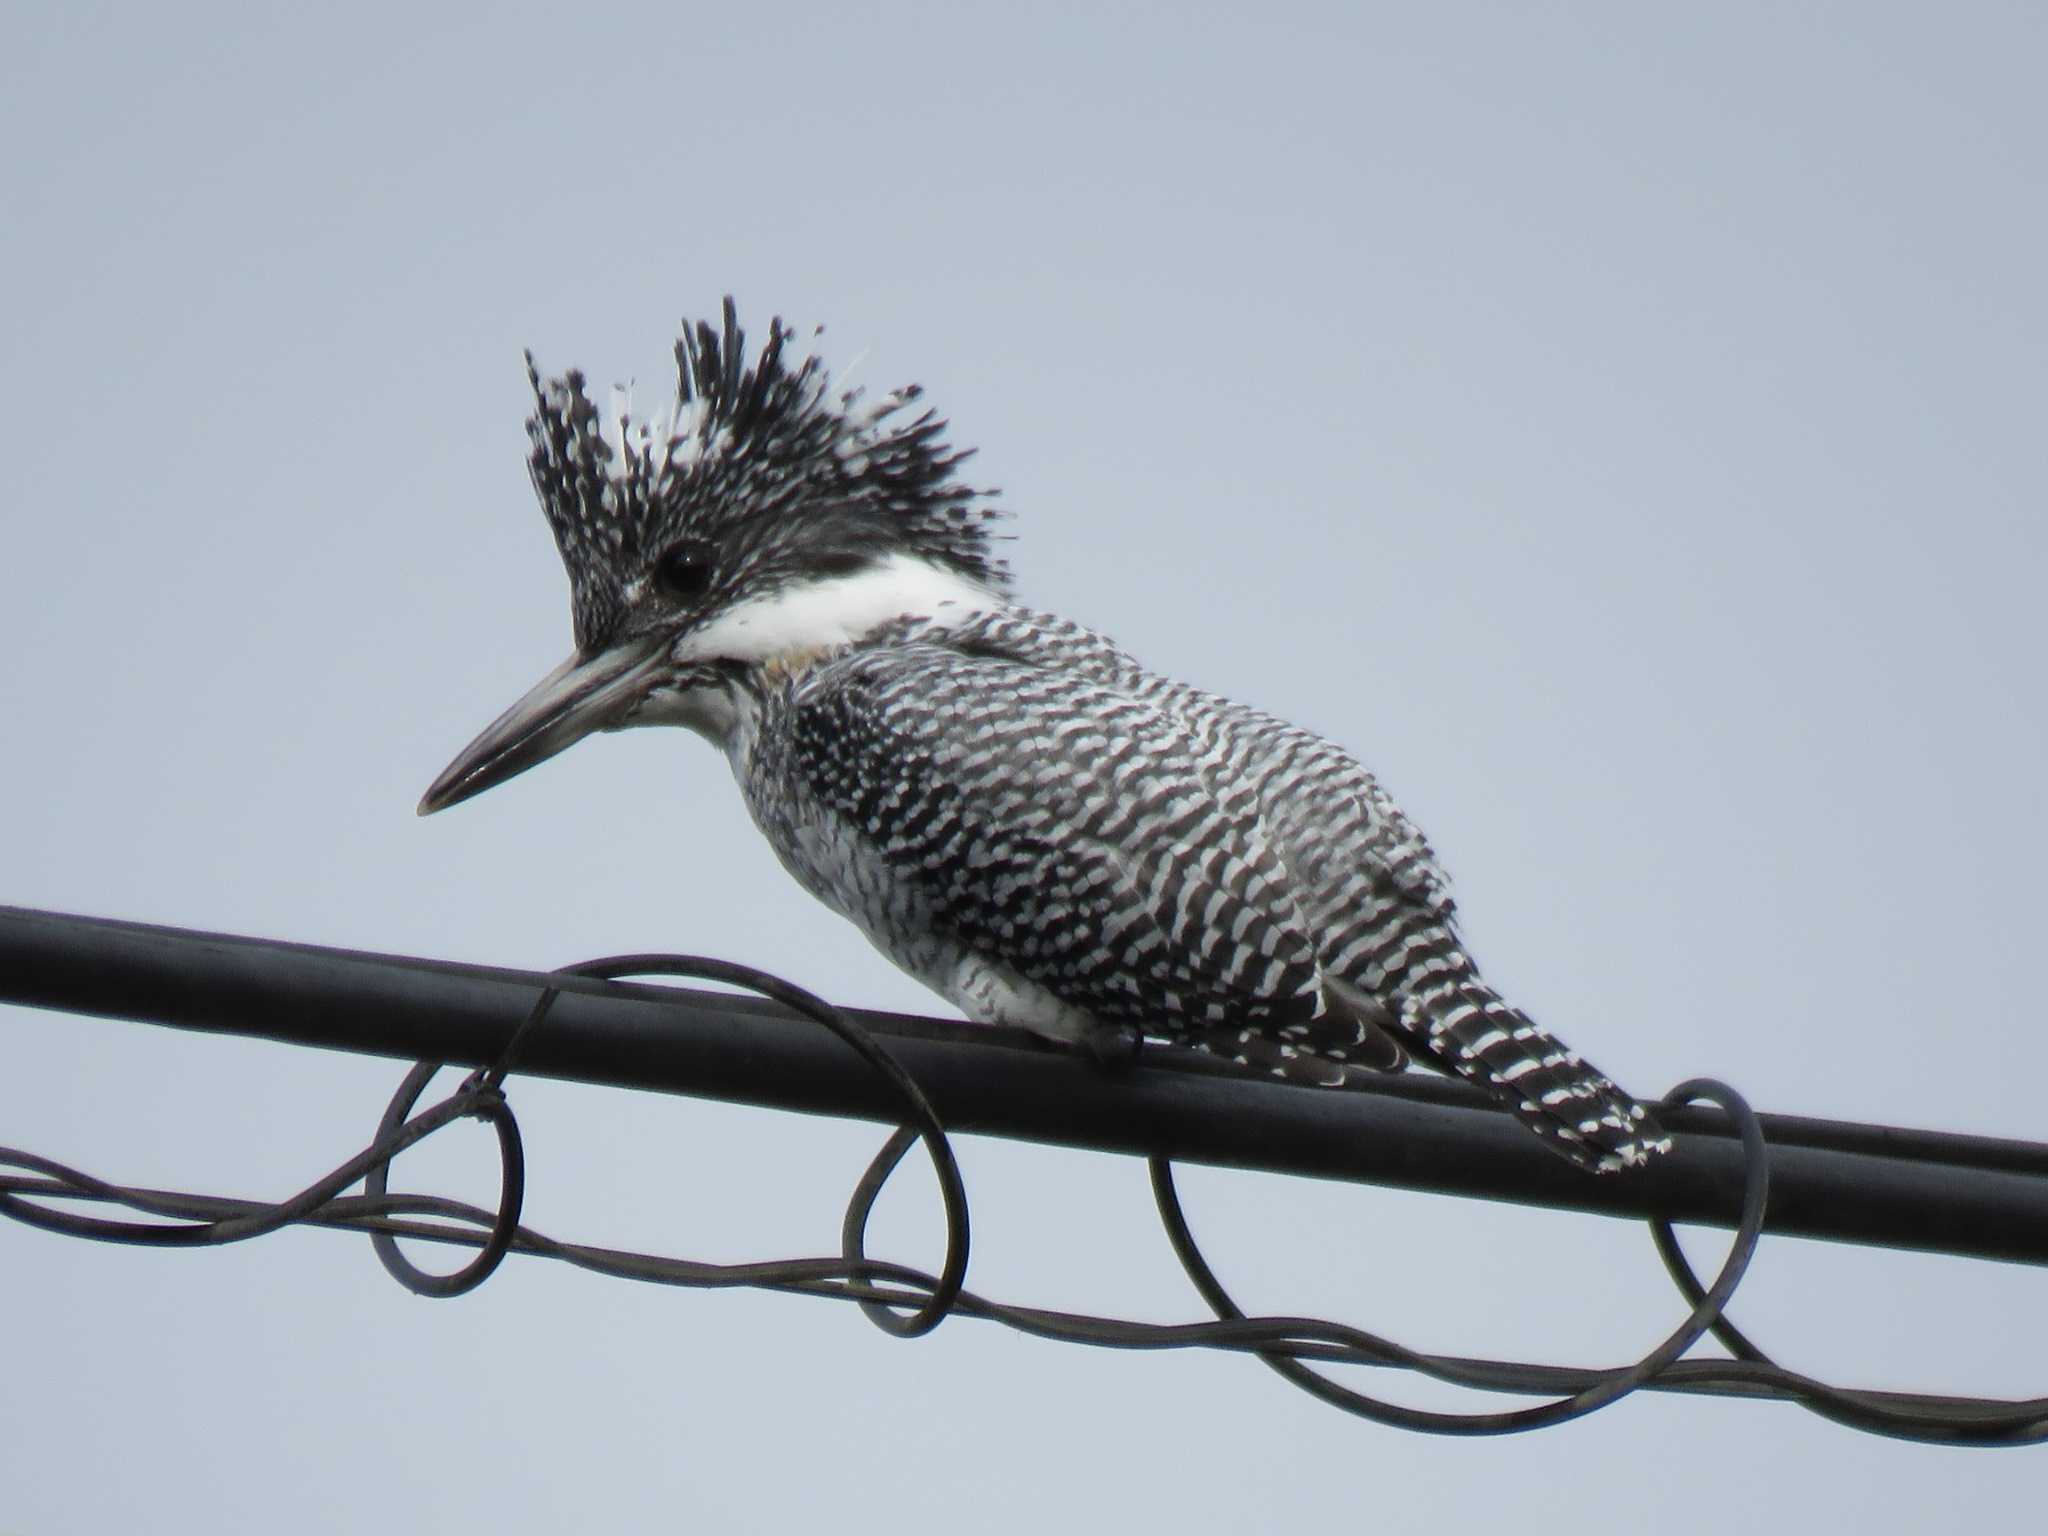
<point x="907" y="1302"/>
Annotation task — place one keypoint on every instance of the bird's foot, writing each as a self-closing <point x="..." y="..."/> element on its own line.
<point x="1115" y="1047"/>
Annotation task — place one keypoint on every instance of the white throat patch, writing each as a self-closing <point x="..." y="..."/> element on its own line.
<point x="823" y="615"/>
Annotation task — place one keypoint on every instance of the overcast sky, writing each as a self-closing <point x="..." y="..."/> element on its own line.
<point x="1620" y="425"/>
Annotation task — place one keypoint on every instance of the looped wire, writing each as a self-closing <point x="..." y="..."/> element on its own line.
<point x="882" y="1289"/>
<point x="1960" y="1422"/>
<point x="481" y="1098"/>
<point x="853" y="1233"/>
<point x="923" y="1125"/>
<point x="1608" y="1387"/>
<point x="251" y="1218"/>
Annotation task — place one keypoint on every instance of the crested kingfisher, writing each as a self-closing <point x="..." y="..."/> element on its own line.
<point x="1009" y="806"/>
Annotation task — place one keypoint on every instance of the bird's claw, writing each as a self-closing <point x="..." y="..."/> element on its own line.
<point x="1115" y="1047"/>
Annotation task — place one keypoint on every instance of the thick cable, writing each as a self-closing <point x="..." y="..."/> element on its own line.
<point x="1289" y="1345"/>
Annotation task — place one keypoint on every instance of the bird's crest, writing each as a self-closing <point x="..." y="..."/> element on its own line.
<point x="758" y="454"/>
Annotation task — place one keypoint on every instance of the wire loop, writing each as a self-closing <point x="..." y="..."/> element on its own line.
<point x="924" y="1120"/>
<point x="1291" y="1346"/>
<point x="481" y="1098"/>
<point x="1607" y="1387"/>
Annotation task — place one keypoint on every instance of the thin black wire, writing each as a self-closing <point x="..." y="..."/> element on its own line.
<point x="486" y="1084"/>
<point x="1286" y="1344"/>
<point x="1971" y="1423"/>
<point x="1608" y="1388"/>
<point x="485" y="1091"/>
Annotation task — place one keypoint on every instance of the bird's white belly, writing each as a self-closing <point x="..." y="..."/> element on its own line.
<point x="839" y="866"/>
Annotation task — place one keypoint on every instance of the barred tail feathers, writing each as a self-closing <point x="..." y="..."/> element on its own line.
<point x="1350" y="1031"/>
<point x="1576" y="1108"/>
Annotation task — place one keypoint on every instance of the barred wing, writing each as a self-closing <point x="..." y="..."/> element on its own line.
<point x="1082" y="835"/>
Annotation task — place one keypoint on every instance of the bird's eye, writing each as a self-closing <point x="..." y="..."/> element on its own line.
<point x="684" y="570"/>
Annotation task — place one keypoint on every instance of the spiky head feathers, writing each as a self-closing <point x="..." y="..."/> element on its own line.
<point x="760" y="463"/>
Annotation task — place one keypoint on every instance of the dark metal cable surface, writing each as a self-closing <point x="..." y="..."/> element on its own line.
<point x="1286" y="1344"/>
<point x="1973" y="1196"/>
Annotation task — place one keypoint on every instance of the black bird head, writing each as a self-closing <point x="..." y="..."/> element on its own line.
<point x="765" y="516"/>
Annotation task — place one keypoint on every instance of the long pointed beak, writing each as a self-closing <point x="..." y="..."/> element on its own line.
<point x="578" y="697"/>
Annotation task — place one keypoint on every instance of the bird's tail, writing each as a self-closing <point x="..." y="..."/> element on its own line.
<point x="1465" y="1025"/>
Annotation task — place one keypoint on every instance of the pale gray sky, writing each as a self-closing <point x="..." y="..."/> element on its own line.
<point x="1621" y="425"/>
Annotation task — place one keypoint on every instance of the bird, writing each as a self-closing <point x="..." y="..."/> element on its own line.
<point x="1016" y="812"/>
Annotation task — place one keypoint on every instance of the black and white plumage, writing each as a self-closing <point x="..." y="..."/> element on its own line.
<point x="1009" y="806"/>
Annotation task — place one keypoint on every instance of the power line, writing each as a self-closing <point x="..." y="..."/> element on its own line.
<point x="571" y="1025"/>
<point x="1970" y="1195"/>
